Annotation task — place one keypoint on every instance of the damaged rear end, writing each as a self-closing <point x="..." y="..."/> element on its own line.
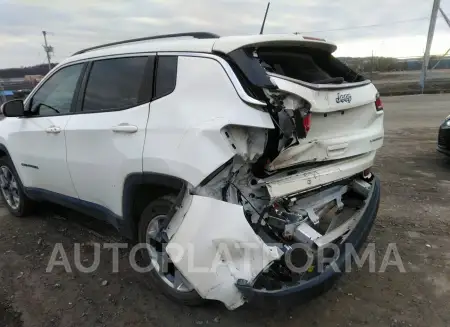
<point x="265" y="218"/>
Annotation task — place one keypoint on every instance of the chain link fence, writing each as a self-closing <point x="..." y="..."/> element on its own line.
<point x="401" y="76"/>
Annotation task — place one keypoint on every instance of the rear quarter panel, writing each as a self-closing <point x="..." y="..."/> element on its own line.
<point x="183" y="136"/>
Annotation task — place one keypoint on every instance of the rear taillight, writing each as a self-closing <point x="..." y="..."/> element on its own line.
<point x="302" y="118"/>
<point x="378" y="103"/>
<point x="307" y="123"/>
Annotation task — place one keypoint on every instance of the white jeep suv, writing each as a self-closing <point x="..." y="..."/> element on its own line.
<point x="224" y="155"/>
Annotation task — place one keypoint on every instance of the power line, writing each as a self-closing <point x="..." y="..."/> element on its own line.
<point x="369" y="26"/>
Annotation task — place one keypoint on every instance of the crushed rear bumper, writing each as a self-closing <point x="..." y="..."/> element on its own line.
<point x="326" y="278"/>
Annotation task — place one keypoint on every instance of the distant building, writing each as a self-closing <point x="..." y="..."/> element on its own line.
<point x="19" y="83"/>
<point x="34" y="79"/>
<point x="416" y="63"/>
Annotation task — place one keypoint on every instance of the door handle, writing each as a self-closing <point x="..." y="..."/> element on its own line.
<point x="53" y="129"/>
<point x="125" y="128"/>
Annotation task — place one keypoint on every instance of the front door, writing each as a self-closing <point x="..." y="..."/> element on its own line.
<point x="37" y="145"/>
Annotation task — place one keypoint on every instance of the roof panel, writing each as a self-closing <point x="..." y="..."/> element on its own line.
<point x="159" y="45"/>
<point x="223" y="44"/>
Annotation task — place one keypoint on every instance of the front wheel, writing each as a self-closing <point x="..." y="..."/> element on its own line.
<point x="164" y="275"/>
<point x="11" y="190"/>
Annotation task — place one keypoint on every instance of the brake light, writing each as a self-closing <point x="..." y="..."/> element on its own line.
<point x="378" y="103"/>
<point x="313" y="38"/>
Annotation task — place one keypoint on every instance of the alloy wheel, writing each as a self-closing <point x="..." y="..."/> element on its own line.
<point x="160" y="261"/>
<point x="9" y="187"/>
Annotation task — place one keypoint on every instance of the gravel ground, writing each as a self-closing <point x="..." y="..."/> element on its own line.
<point x="413" y="214"/>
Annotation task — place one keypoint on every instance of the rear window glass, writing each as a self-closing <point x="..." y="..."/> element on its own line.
<point x="114" y="84"/>
<point x="308" y="65"/>
<point x="298" y="66"/>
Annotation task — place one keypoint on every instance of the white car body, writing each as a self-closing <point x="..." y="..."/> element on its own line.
<point x="208" y="120"/>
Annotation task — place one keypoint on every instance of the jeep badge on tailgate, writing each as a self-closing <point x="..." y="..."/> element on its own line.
<point x="343" y="98"/>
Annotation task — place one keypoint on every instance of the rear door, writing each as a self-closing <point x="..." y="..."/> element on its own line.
<point x="105" y="139"/>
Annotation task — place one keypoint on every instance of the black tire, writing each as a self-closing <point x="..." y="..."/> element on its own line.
<point x="156" y="208"/>
<point x="26" y="205"/>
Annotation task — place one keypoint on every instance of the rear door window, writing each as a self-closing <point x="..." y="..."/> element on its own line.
<point x="166" y="76"/>
<point x="118" y="83"/>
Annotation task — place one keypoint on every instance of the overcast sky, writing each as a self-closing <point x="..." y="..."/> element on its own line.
<point x="75" y="24"/>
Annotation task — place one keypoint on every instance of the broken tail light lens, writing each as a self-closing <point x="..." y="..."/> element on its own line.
<point x="378" y="103"/>
<point x="302" y="119"/>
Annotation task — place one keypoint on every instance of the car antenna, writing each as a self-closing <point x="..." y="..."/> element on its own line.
<point x="264" y="20"/>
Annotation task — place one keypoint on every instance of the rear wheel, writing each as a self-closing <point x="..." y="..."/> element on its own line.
<point x="12" y="191"/>
<point x="164" y="275"/>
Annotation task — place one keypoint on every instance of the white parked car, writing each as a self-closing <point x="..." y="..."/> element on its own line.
<point x="222" y="154"/>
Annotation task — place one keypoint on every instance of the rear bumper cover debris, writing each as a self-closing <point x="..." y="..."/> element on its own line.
<point x="305" y="287"/>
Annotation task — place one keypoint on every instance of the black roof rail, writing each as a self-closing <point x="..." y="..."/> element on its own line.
<point x="196" y="35"/>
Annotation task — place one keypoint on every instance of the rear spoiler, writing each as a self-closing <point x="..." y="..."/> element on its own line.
<point x="227" y="44"/>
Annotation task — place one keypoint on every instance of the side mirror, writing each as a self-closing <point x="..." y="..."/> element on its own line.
<point x="13" y="108"/>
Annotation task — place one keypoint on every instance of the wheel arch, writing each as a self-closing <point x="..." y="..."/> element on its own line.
<point x="142" y="188"/>
<point x="4" y="151"/>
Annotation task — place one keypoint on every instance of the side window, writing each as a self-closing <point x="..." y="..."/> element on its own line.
<point x="166" y="76"/>
<point x="56" y="94"/>
<point x="116" y="83"/>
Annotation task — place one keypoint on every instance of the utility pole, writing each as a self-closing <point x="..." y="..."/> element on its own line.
<point x="426" y="56"/>
<point x="371" y="67"/>
<point x="264" y="20"/>
<point x="447" y="20"/>
<point x="48" y="50"/>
